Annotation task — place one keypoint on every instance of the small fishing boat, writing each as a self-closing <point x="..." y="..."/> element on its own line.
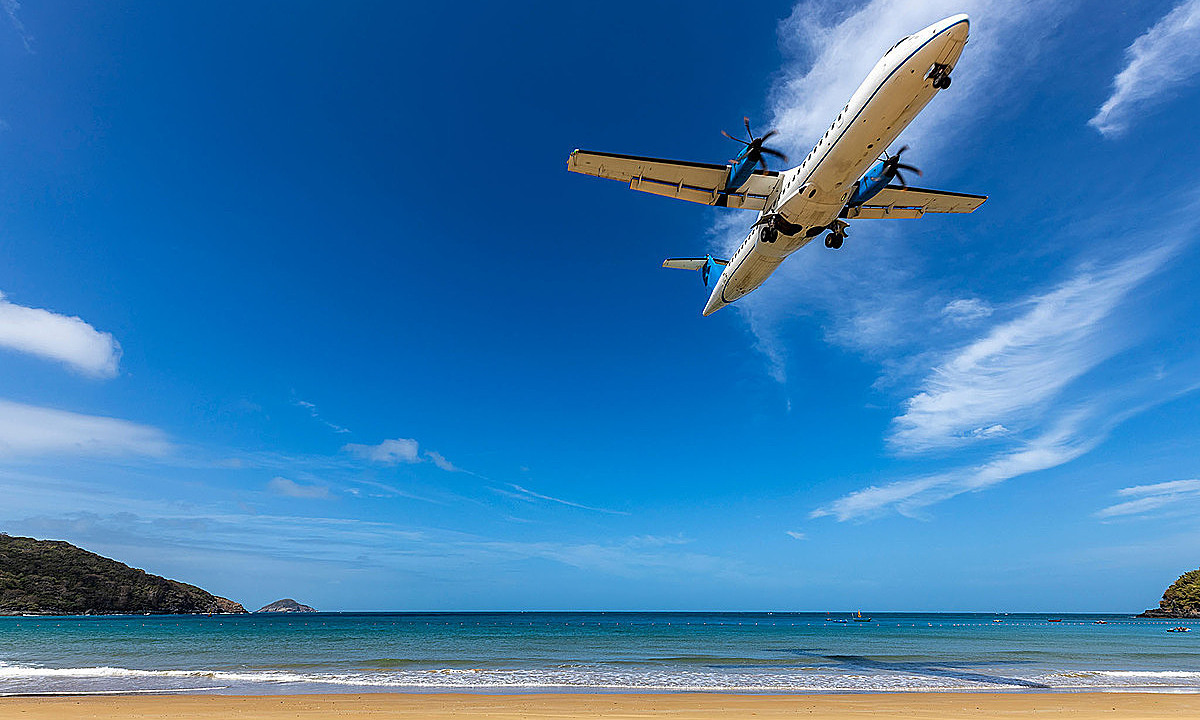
<point x="860" y="618"/>
<point x="1180" y="629"/>
<point x="1054" y="620"/>
<point x="1100" y="622"/>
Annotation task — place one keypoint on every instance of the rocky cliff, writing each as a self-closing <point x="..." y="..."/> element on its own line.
<point x="56" y="578"/>
<point x="1181" y="600"/>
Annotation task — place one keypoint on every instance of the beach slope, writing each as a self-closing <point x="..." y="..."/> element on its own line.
<point x="916" y="706"/>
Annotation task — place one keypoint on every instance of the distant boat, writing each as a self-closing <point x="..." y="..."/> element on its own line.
<point x="997" y="620"/>
<point x="860" y="618"/>
<point x="1180" y="629"/>
<point x="1100" y="622"/>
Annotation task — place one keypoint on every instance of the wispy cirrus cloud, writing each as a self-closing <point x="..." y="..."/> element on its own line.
<point x="1157" y="64"/>
<point x="1145" y="499"/>
<point x="522" y="493"/>
<point x="316" y="415"/>
<point x="1069" y="438"/>
<point x="1002" y="379"/>
<point x="63" y="338"/>
<point x="30" y="431"/>
<point x="10" y="9"/>
<point x="1003" y="395"/>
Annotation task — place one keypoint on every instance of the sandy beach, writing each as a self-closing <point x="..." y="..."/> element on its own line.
<point x="1076" y="706"/>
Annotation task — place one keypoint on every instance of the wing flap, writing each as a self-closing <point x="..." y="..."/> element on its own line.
<point x="695" y="182"/>
<point x="894" y="197"/>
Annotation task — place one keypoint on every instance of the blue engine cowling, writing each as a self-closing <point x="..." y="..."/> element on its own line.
<point x="876" y="179"/>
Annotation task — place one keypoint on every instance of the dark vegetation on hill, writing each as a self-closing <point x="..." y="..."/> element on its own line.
<point x="57" y="578"/>
<point x="1181" y="600"/>
<point x="286" y="605"/>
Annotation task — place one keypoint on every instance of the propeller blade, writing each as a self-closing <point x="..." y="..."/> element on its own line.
<point x="734" y="138"/>
<point x="776" y="153"/>
<point x="900" y="151"/>
<point x="770" y="134"/>
<point x="902" y="166"/>
<point x="763" y="163"/>
<point x="747" y="121"/>
<point x="903" y="182"/>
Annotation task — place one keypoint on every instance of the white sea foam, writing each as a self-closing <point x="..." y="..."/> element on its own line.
<point x="25" y="678"/>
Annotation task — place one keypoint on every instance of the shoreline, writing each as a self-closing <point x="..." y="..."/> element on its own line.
<point x="675" y="706"/>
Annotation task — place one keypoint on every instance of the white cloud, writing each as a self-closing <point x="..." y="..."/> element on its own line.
<point x="26" y="430"/>
<point x="388" y="452"/>
<point x="1147" y="498"/>
<point x="66" y="339"/>
<point x="966" y="311"/>
<point x="441" y="462"/>
<point x="796" y="535"/>
<point x="1000" y="380"/>
<point x="290" y="488"/>
<point x="402" y="450"/>
<point x="1158" y="63"/>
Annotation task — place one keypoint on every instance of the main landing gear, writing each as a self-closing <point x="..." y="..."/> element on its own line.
<point x="940" y="75"/>
<point x="837" y="234"/>
<point x="773" y="226"/>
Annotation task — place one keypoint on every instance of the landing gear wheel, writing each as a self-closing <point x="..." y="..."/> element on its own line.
<point x="834" y="241"/>
<point x="769" y="234"/>
<point x="829" y="241"/>
<point x="942" y="83"/>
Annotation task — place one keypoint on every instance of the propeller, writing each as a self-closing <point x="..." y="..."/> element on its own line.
<point x="754" y="148"/>
<point x="892" y="167"/>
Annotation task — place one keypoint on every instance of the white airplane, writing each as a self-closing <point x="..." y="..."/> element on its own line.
<point x="845" y="177"/>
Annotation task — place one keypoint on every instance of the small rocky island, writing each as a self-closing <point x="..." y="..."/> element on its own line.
<point x="51" y="577"/>
<point x="286" y="605"/>
<point x="1181" y="600"/>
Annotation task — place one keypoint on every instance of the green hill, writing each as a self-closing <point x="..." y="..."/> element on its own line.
<point x="57" y="578"/>
<point x="1181" y="600"/>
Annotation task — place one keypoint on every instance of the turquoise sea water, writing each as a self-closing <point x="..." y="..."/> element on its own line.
<point x="605" y="652"/>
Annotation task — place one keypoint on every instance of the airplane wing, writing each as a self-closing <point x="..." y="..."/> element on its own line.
<point x="895" y="201"/>
<point x="695" y="182"/>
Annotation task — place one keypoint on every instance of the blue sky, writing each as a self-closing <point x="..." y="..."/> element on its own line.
<point x="303" y="302"/>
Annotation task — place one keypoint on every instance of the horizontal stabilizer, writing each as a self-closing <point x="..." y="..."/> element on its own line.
<point x="705" y="265"/>
<point x="691" y="263"/>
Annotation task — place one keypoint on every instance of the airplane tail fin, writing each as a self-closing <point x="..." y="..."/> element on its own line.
<point x="705" y="265"/>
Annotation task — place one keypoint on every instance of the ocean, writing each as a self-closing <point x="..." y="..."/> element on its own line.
<point x="594" y="652"/>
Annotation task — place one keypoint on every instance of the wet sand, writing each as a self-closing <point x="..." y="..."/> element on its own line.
<point x="914" y="706"/>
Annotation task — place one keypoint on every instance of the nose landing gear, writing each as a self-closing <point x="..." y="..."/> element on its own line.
<point x="940" y="75"/>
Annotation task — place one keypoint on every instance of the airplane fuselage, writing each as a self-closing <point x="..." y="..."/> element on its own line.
<point x="810" y="197"/>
